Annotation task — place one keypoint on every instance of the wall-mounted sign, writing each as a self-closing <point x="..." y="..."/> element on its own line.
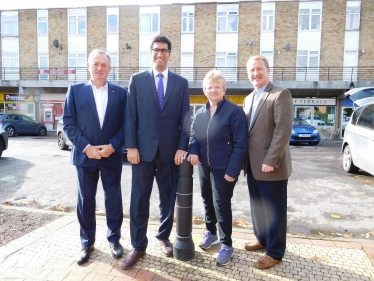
<point x="56" y="71"/>
<point x="16" y="97"/>
<point x="314" y="101"/>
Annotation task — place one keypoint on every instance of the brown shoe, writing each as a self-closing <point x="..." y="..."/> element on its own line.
<point x="253" y="246"/>
<point x="266" y="262"/>
<point x="166" y="247"/>
<point x="131" y="259"/>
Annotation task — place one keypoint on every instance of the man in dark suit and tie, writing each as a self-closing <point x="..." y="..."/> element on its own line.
<point x="157" y="132"/>
<point x="269" y="111"/>
<point x="93" y="120"/>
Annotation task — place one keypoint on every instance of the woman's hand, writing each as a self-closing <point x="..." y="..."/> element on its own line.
<point x="193" y="158"/>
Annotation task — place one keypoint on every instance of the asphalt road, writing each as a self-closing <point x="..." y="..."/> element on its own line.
<point x="322" y="198"/>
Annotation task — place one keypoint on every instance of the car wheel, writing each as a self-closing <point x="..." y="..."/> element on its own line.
<point x="42" y="132"/>
<point x="313" y="143"/>
<point x="10" y="131"/>
<point x="61" y="142"/>
<point x="348" y="165"/>
<point x="1" y="148"/>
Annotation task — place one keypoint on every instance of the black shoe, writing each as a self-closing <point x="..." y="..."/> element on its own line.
<point x="116" y="249"/>
<point x="84" y="254"/>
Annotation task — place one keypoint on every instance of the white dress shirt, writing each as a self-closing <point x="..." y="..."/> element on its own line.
<point x="101" y="100"/>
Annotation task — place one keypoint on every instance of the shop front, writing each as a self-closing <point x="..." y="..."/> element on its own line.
<point x="16" y="103"/>
<point x="319" y="112"/>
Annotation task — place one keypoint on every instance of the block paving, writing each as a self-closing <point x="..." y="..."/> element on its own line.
<point x="49" y="253"/>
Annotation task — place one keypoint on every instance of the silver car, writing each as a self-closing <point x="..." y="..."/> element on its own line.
<point x="358" y="142"/>
<point x="63" y="141"/>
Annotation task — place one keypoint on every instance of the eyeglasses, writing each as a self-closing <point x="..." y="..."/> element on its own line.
<point x="163" y="51"/>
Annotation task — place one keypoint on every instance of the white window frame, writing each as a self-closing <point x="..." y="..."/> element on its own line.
<point x="353" y="15"/>
<point x="310" y="57"/>
<point x="42" y="19"/>
<point x="227" y="15"/>
<point x="267" y="20"/>
<point x="9" y="23"/>
<point x="219" y="55"/>
<point x="311" y="14"/>
<point x="150" y="27"/>
<point x="114" y="72"/>
<point x="42" y="67"/>
<point x="189" y="17"/>
<point x="77" y="17"/>
<point x="109" y="27"/>
<point x="145" y="59"/>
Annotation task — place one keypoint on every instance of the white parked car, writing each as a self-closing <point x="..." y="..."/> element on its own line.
<point x="317" y="121"/>
<point x="358" y="142"/>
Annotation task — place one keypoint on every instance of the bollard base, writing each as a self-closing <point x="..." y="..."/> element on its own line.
<point x="184" y="249"/>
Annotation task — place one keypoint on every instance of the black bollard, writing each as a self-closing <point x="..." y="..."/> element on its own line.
<point x="183" y="246"/>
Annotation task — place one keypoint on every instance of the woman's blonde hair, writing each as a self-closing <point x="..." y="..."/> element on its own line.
<point x="214" y="76"/>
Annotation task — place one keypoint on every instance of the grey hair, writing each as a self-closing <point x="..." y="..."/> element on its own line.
<point x="96" y="52"/>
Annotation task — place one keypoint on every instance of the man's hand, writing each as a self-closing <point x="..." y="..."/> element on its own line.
<point x="105" y="150"/>
<point x="266" y="168"/>
<point x="180" y="155"/>
<point x="228" y="178"/>
<point x="193" y="158"/>
<point x="92" y="152"/>
<point x="133" y="155"/>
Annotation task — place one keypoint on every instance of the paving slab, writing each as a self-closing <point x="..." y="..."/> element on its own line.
<point x="49" y="253"/>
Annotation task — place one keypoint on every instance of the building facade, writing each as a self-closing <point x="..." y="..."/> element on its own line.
<point x="316" y="49"/>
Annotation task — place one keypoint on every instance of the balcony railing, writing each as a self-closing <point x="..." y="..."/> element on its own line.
<point x="197" y="73"/>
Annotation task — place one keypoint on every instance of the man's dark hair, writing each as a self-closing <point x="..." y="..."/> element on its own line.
<point x="161" y="39"/>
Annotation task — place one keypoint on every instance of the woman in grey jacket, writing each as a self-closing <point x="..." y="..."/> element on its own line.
<point x="218" y="143"/>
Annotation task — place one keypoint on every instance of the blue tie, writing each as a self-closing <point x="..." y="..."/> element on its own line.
<point x="160" y="89"/>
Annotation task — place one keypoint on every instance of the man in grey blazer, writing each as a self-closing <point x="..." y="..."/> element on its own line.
<point x="157" y="127"/>
<point x="269" y="111"/>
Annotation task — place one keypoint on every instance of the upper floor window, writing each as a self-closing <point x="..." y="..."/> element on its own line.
<point x="77" y="22"/>
<point x="227" y="21"/>
<point x="307" y="59"/>
<point x="267" y="20"/>
<point x="77" y="60"/>
<point x="310" y="19"/>
<point x="149" y="23"/>
<point x="112" y="23"/>
<point x="42" y="22"/>
<point x="187" y="22"/>
<point x="226" y="59"/>
<point x="353" y="15"/>
<point x="9" y="23"/>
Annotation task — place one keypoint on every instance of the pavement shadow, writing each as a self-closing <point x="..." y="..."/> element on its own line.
<point x="13" y="173"/>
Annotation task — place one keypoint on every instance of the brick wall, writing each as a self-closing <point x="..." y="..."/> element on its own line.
<point x="366" y="34"/>
<point x="205" y="35"/>
<point x="286" y="25"/>
<point x="129" y="33"/>
<point x="249" y="29"/>
<point x="333" y="30"/>
<point x="58" y="29"/>
<point x="28" y="51"/>
<point x="170" y="22"/>
<point x="96" y="28"/>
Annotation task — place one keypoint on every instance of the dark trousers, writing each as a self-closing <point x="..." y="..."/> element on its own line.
<point x="216" y="193"/>
<point x="143" y="175"/>
<point x="268" y="201"/>
<point x="86" y="205"/>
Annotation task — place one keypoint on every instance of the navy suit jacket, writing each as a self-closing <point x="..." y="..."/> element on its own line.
<point x="81" y="123"/>
<point x="149" y="128"/>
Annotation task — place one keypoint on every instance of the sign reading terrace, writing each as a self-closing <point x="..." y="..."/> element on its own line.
<point x="56" y="71"/>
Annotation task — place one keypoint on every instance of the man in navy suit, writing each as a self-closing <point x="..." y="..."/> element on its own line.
<point x="93" y="120"/>
<point x="157" y="131"/>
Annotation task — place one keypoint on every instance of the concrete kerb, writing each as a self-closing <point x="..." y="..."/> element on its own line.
<point x="304" y="255"/>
